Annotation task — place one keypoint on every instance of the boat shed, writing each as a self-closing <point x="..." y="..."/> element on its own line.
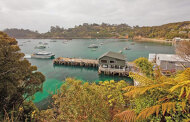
<point x="112" y="60"/>
<point x="171" y="62"/>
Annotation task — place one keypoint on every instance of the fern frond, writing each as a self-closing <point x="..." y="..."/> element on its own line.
<point x="182" y="91"/>
<point x="168" y="106"/>
<point x="141" y="90"/>
<point x="141" y="79"/>
<point x="149" y="111"/>
<point x="183" y="105"/>
<point x="128" y="115"/>
<point x="187" y="93"/>
<point x="129" y="88"/>
<point x="181" y="84"/>
<point x="184" y="76"/>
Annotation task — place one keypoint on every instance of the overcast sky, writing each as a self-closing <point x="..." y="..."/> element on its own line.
<point x="41" y="14"/>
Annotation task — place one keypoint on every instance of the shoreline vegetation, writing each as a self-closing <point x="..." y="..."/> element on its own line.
<point x="142" y="39"/>
<point x="161" y="33"/>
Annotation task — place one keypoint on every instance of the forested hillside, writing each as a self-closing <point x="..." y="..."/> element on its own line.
<point x="167" y="31"/>
<point x="22" y="33"/>
<point x="104" y="30"/>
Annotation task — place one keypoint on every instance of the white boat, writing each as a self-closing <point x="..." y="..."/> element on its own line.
<point x="65" y="42"/>
<point x="120" y="51"/>
<point x="101" y="43"/>
<point x="40" y="46"/>
<point x="93" y="46"/>
<point x="43" y="55"/>
<point x="27" y="56"/>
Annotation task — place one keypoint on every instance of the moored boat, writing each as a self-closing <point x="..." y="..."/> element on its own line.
<point x="40" y="46"/>
<point x="93" y="46"/>
<point x="126" y="48"/>
<point x="53" y="41"/>
<point x="43" y="55"/>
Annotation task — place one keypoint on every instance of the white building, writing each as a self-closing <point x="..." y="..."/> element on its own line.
<point x="169" y="62"/>
<point x="176" y="39"/>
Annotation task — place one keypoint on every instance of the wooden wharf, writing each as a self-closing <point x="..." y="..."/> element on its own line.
<point x="94" y="63"/>
<point x="76" y="62"/>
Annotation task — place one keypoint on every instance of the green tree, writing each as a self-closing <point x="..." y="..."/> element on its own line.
<point x="145" y="66"/>
<point x="86" y="102"/>
<point x="18" y="79"/>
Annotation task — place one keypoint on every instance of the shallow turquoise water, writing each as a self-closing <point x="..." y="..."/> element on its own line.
<point x="79" y="48"/>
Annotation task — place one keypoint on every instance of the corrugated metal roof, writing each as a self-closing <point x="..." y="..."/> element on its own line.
<point x="114" y="55"/>
<point x="169" y="57"/>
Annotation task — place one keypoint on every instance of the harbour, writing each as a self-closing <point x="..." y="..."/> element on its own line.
<point x="78" y="49"/>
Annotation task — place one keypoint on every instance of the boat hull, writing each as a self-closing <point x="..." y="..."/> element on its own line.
<point x="43" y="56"/>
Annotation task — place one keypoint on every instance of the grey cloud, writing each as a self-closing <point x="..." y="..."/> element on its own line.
<point x="41" y="14"/>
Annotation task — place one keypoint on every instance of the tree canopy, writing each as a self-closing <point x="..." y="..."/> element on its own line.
<point x="77" y="101"/>
<point x="18" y="79"/>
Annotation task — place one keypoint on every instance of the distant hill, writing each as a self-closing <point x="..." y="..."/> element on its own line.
<point x="89" y="31"/>
<point x="104" y="30"/>
<point x="22" y="33"/>
<point x="166" y="31"/>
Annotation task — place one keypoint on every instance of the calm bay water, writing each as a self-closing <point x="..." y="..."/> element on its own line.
<point x="79" y="48"/>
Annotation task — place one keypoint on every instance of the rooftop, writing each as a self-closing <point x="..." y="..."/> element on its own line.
<point x="114" y="55"/>
<point x="170" y="57"/>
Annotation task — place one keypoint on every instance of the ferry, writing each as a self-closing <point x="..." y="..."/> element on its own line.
<point x="43" y="55"/>
<point x="93" y="46"/>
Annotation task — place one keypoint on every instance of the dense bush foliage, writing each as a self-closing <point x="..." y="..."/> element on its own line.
<point x="86" y="102"/>
<point x="19" y="81"/>
<point x="145" y="66"/>
<point x="159" y="99"/>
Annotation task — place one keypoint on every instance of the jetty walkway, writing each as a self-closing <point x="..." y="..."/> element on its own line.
<point x="94" y="63"/>
<point x="76" y="62"/>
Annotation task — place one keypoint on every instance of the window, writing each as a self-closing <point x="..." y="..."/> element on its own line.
<point x="103" y="61"/>
<point x="111" y="62"/>
<point x="171" y="62"/>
